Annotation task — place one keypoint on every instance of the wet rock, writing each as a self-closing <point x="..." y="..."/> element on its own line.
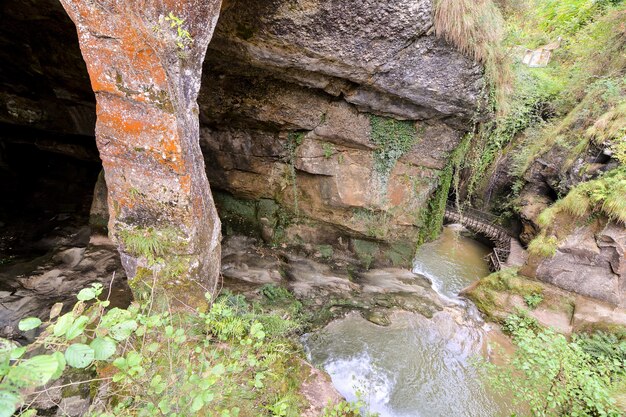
<point x="34" y="286"/>
<point x="563" y="310"/>
<point x="318" y="390"/>
<point x="377" y="317"/>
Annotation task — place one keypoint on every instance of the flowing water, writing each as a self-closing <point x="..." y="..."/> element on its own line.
<point x="416" y="367"/>
<point x="452" y="262"/>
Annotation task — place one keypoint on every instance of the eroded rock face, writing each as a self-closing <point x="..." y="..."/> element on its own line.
<point x="590" y="261"/>
<point x="291" y="92"/>
<point x="146" y="78"/>
<point x="380" y="56"/>
<point x="279" y="74"/>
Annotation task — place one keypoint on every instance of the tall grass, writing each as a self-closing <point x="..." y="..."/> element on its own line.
<point x="473" y="26"/>
<point x="476" y="28"/>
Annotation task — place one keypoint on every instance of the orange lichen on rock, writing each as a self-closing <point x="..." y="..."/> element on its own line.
<point x="147" y="128"/>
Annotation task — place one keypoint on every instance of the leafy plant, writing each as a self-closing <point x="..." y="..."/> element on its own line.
<point x="75" y="345"/>
<point x="294" y="139"/>
<point x="232" y="360"/>
<point x="393" y="139"/>
<point x="183" y="37"/>
<point x="328" y="149"/>
<point x="515" y="323"/>
<point x="553" y="377"/>
<point x="533" y="300"/>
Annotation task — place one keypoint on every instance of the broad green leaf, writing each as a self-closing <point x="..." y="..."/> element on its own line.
<point x="61" y="364"/>
<point x="63" y="324"/>
<point x="218" y="369"/>
<point x="123" y="330"/>
<point x="77" y="328"/>
<point x="79" y="355"/>
<point x="29" y="413"/>
<point x="103" y="347"/>
<point x="153" y="347"/>
<point x="164" y="405"/>
<point x="56" y="310"/>
<point x="29" y="323"/>
<point x="197" y="403"/>
<point x="86" y="294"/>
<point x="113" y="317"/>
<point x="8" y="403"/>
<point x="18" y="352"/>
<point x="133" y="359"/>
<point x="33" y="372"/>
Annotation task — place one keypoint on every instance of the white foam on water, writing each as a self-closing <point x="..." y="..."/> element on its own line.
<point x="357" y="378"/>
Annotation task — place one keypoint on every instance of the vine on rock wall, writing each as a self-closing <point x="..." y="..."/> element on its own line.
<point x="432" y="217"/>
<point x="393" y="139"/>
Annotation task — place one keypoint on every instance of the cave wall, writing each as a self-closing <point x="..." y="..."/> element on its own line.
<point x="291" y="94"/>
<point x="290" y="91"/>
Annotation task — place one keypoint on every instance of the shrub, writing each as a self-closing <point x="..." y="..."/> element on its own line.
<point x="550" y="376"/>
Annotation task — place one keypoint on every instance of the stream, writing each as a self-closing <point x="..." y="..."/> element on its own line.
<point x="417" y="367"/>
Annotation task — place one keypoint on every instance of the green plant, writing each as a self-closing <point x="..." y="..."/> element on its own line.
<point x="393" y="139"/>
<point x="328" y="149"/>
<point x="294" y="139"/>
<point x="547" y="216"/>
<point x="150" y="242"/>
<point x="431" y="218"/>
<point x="533" y="300"/>
<point x="183" y="38"/>
<point x="276" y="293"/>
<point x="550" y="376"/>
<point x="543" y="245"/>
<point x="341" y="409"/>
<point x="326" y="251"/>
<point x="515" y="323"/>
<point x="75" y="343"/>
<point x="232" y="360"/>
<point x="376" y="223"/>
<point x="566" y="17"/>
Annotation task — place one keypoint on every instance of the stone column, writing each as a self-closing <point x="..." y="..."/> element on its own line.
<point x="144" y="59"/>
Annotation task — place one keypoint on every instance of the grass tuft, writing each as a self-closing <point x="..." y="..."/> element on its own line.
<point x="476" y="28"/>
<point x="576" y="203"/>
<point x="544" y="246"/>
<point x="546" y="217"/>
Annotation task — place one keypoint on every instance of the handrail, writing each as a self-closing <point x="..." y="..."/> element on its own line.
<point x="481" y="215"/>
<point x="483" y="223"/>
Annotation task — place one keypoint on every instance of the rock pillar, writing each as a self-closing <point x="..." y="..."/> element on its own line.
<point x="144" y="60"/>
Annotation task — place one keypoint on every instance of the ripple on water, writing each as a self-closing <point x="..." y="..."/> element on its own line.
<point x="414" y="368"/>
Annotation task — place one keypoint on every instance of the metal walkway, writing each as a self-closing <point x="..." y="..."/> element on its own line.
<point x="484" y="224"/>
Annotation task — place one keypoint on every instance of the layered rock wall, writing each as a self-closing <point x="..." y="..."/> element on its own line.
<point x="298" y="94"/>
